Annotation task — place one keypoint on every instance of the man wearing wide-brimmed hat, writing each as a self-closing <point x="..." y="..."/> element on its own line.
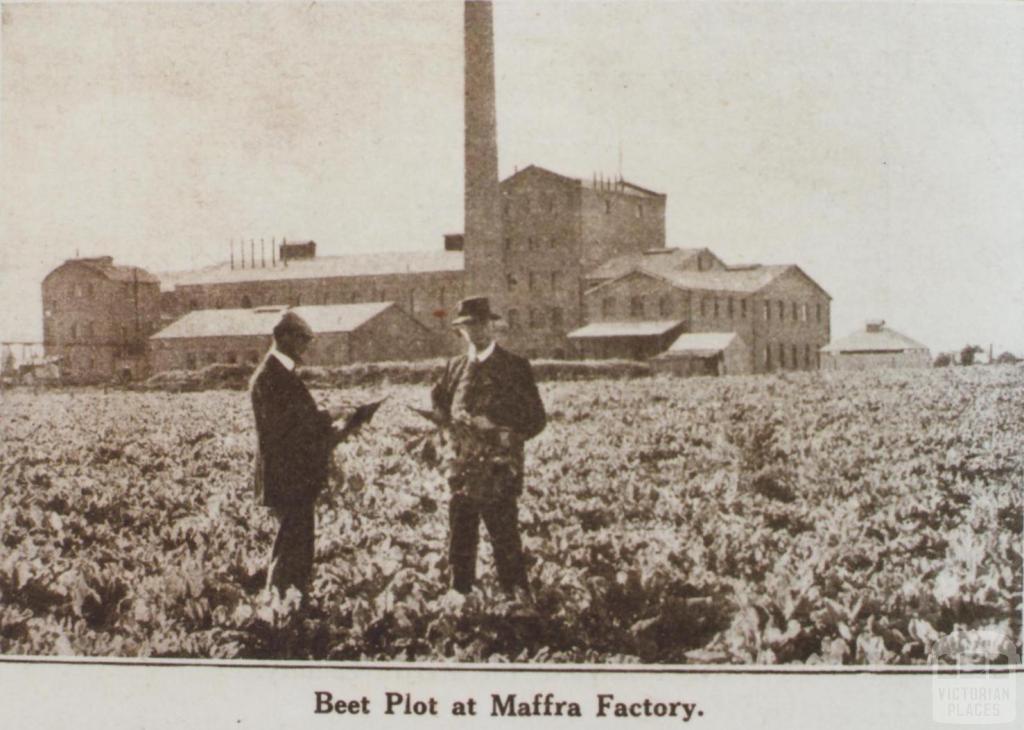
<point x="294" y="443"/>
<point x="490" y="401"/>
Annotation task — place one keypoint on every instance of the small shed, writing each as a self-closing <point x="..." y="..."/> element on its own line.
<point x="704" y="353"/>
<point x="637" y="340"/>
<point x="346" y="333"/>
<point x="875" y="346"/>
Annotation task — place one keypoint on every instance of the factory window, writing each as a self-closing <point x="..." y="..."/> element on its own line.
<point x="74" y="330"/>
<point x="556" y="317"/>
<point x="636" y="307"/>
<point x="703" y="307"/>
<point x="803" y="312"/>
<point x="78" y="290"/>
<point x="536" y="318"/>
<point x="532" y="279"/>
<point x="729" y="307"/>
<point x="639" y="211"/>
<point x="246" y="302"/>
<point x="608" y="206"/>
<point x="530" y="243"/>
<point x="193" y="304"/>
<point x="510" y="281"/>
<point x="124" y="332"/>
<point x="555" y="280"/>
<point x="767" y="357"/>
<point x="92" y="363"/>
<point x="818" y="308"/>
<point x="743" y="308"/>
<point x="550" y="202"/>
<point x="782" y="356"/>
<point x="190" y="361"/>
<point x="513" y="319"/>
<point x="253" y="356"/>
<point x="716" y="307"/>
<point x="607" y="307"/>
<point x="807" y="355"/>
<point x="794" y="312"/>
<point x="232" y="358"/>
<point x="665" y="306"/>
<point x="793" y="360"/>
<point x="767" y="311"/>
<point x="218" y="304"/>
<point x="782" y="310"/>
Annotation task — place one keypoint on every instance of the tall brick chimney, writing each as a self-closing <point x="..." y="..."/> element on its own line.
<point x="484" y="269"/>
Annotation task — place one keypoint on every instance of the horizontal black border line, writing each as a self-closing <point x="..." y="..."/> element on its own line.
<point x="795" y="670"/>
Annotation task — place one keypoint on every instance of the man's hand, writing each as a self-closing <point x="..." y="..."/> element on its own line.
<point x="479" y="422"/>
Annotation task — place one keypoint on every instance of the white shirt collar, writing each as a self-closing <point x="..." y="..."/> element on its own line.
<point x="483" y="354"/>
<point x="288" y="362"/>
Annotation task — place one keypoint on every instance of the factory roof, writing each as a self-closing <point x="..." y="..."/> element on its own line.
<point x="699" y="344"/>
<point x="322" y="318"/>
<point x="623" y="187"/>
<point x="875" y="337"/>
<point x="659" y="259"/>
<point x="371" y="264"/>
<point x="740" y="279"/>
<point x="104" y="266"/>
<point x="624" y="329"/>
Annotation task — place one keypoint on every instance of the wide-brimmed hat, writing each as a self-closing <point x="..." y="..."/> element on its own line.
<point x="474" y="309"/>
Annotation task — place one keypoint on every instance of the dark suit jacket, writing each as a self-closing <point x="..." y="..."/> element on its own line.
<point x="505" y="392"/>
<point x="294" y="437"/>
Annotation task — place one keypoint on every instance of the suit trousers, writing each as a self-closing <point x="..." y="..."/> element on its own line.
<point x="502" y="520"/>
<point x="291" y="560"/>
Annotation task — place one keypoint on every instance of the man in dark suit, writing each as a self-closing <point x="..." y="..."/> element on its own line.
<point x="294" y="443"/>
<point x="490" y="401"/>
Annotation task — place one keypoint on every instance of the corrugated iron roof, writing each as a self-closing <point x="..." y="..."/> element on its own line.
<point x="660" y="258"/>
<point x="624" y="329"/>
<point x="374" y="264"/>
<point x="623" y="187"/>
<point x="881" y="340"/>
<point x="699" y="344"/>
<point x="105" y="266"/>
<point x="323" y="318"/>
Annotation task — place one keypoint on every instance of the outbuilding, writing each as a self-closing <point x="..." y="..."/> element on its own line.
<point x="875" y="346"/>
<point x="704" y="353"/>
<point x="346" y="333"/>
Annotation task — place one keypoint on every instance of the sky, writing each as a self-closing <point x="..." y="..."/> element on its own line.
<point x="879" y="146"/>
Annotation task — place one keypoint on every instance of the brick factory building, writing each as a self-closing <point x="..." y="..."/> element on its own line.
<point x="778" y="312"/>
<point x="97" y="317"/>
<point x="346" y="333"/>
<point x="875" y="346"/>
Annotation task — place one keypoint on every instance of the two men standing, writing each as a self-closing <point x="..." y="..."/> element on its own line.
<point x="488" y="401"/>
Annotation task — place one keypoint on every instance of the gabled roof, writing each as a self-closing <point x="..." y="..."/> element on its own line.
<point x="104" y="266"/>
<point x="661" y="258"/>
<point x="883" y="339"/>
<point x="699" y="344"/>
<point x="372" y="264"/>
<point x="624" y="329"/>
<point x="623" y="187"/>
<point x="258" y="322"/>
<point x="746" y="280"/>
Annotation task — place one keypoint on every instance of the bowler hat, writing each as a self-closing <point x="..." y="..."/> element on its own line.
<point x="474" y="309"/>
<point x="292" y="322"/>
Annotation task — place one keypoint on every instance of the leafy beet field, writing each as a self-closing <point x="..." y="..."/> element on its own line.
<point x="800" y="518"/>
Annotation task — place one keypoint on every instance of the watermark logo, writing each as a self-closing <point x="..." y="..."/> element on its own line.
<point x="970" y="684"/>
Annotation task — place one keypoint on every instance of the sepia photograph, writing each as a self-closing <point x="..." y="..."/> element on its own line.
<point x="674" y="335"/>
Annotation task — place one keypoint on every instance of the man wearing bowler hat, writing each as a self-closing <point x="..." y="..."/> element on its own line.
<point x="490" y="401"/>
<point x="294" y="443"/>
